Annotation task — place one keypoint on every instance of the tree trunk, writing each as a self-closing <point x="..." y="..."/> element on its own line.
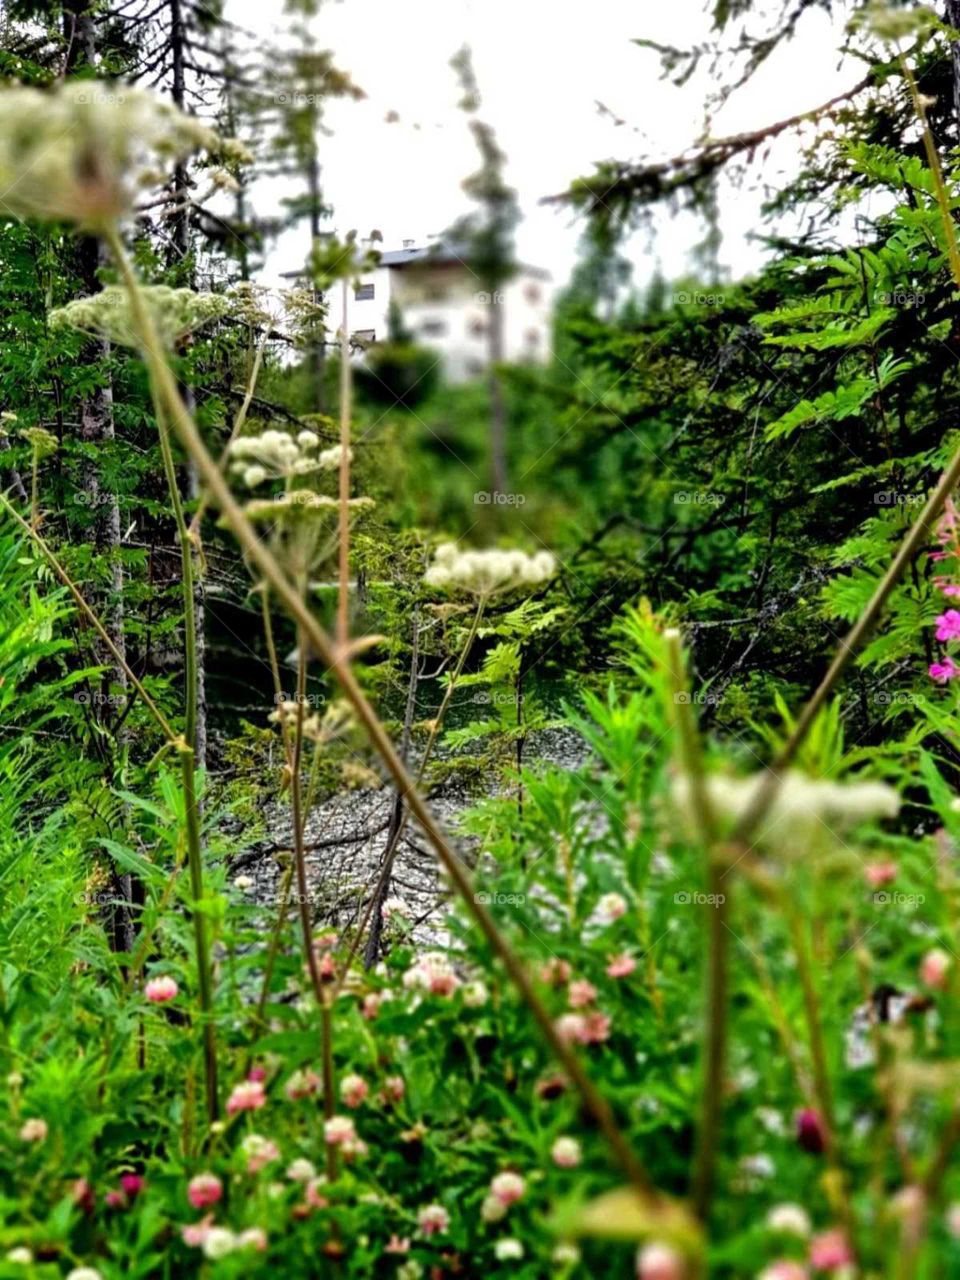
<point x="498" y="406"/>
<point x="953" y="18"/>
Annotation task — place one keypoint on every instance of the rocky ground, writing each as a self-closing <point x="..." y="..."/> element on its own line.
<point x="346" y="837"/>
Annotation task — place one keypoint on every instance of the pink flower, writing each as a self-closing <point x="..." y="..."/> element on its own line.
<point x="946" y="586"/>
<point x="259" y="1151"/>
<point x="353" y="1090"/>
<point x="397" y="1245"/>
<point x="302" y="1084"/>
<point x="160" y="990"/>
<point x="571" y="1028"/>
<point x="621" y="966"/>
<point x="371" y="1006"/>
<point x="338" y="1130"/>
<point x="597" y="1028"/>
<point x="257" y="1075"/>
<point x="581" y="993"/>
<point x="115" y="1200"/>
<point x="132" y="1184"/>
<point x="555" y="973"/>
<point x="82" y="1195"/>
<point x="393" y="1089"/>
<point x="195" y="1233"/>
<point x="253" y="1238"/>
<point x="246" y="1096"/>
<point x="934" y="967"/>
<point x="948" y="625"/>
<point x="830" y="1250"/>
<point x="203" y="1190"/>
<point x="433" y="1219"/>
<point x="811" y="1131"/>
<point x="659" y="1262"/>
<point x="566" y="1153"/>
<point x="942" y="672"/>
<point x="507" y="1188"/>
<point x="314" y="1196"/>
<point x="784" y="1270"/>
<point x="881" y="873"/>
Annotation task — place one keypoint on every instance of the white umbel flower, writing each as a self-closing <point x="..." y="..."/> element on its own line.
<point x="82" y="152"/>
<point x="108" y="314"/>
<point x="486" y="573"/>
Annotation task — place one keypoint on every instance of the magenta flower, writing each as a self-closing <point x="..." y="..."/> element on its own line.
<point x="203" y="1190"/>
<point x="948" y="625"/>
<point x="943" y="671"/>
<point x="160" y="990"/>
<point x="811" y="1131"/>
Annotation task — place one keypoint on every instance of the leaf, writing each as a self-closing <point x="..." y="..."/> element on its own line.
<point x="627" y="1215"/>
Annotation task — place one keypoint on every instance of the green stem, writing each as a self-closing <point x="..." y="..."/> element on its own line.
<point x="261" y="557"/>
<point x="204" y="982"/>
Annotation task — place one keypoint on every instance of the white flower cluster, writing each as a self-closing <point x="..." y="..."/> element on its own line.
<point x="432" y="972"/>
<point x="485" y="573"/>
<point x="802" y="807"/>
<point x="277" y="455"/>
<point x="82" y="151"/>
<point x="337" y="720"/>
<point x="175" y="312"/>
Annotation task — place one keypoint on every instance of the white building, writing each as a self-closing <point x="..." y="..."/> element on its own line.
<point x="443" y="306"/>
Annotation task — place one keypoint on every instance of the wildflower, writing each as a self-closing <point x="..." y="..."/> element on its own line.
<point x="789" y="1219"/>
<point x="248" y="1095"/>
<point x="353" y="1090"/>
<point x="194" y="1233"/>
<point x="596" y="1028"/>
<point x="581" y="993"/>
<point x="475" y="994"/>
<point x="396" y="1244"/>
<point x="109" y="314"/>
<point x="433" y="1219"/>
<point x="371" y="1005"/>
<point x="508" y="1188"/>
<point x="34" y="1130"/>
<point x="84" y="1273"/>
<point x="218" y="1242"/>
<point x="395" y="907"/>
<point x="259" y="1151"/>
<point x="433" y="972"/>
<point x="301" y="1170"/>
<point x="830" y="1250"/>
<point x="353" y="1149"/>
<point x="81" y="1193"/>
<point x="881" y="873"/>
<point x="21" y="1255"/>
<point x="942" y="672"/>
<point x="566" y="1254"/>
<point x="492" y="1209"/>
<point x="253" y="1238"/>
<point x="485" y="573"/>
<point x="243" y="883"/>
<point x="41" y="441"/>
<point x="566" y="1153"/>
<point x="393" y="1089"/>
<point x="571" y="1028"/>
<point x="659" y="1262"/>
<point x="948" y="625"/>
<point x="338" y="1130"/>
<point x="550" y="1087"/>
<point x="611" y="907"/>
<point x="132" y="1184"/>
<point x="934" y="968"/>
<point x="160" y="990"/>
<point x="508" y="1250"/>
<point x="811" y="1130"/>
<point x="203" y="1190"/>
<point x="621" y="966"/>
<point x="555" y="973"/>
<point x="302" y="1084"/>
<point x="786" y="1269"/>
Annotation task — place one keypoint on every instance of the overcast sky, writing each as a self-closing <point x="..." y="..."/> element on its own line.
<point x="542" y="66"/>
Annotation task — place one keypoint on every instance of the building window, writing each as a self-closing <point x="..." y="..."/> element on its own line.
<point x="532" y="293"/>
<point x="364" y="293"/>
<point x="364" y="336"/>
<point x="433" y="328"/>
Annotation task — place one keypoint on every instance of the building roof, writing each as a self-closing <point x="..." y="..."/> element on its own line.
<point x="441" y="254"/>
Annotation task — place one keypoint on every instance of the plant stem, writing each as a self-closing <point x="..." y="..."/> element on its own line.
<point x="204" y="983"/>
<point x="261" y="557"/>
<point x="343" y="595"/>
